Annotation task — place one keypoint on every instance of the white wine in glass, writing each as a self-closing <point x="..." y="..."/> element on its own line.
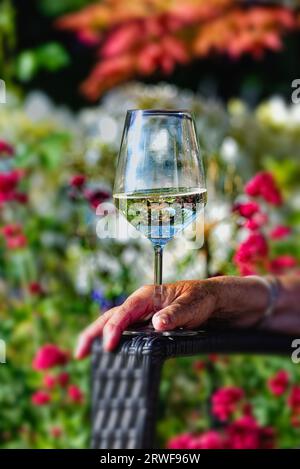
<point x="159" y="184"/>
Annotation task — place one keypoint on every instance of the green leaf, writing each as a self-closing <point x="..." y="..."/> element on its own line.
<point x="52" y="56"/>
<point x="26" y="66"/>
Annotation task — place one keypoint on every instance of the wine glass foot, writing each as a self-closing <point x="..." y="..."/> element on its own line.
<point x="148" y="329"/>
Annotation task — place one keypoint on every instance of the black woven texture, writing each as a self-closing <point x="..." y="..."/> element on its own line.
<point x="125" y="383"/>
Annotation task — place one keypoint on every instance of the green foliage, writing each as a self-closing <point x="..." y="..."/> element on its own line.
<point x="49" y="57"/>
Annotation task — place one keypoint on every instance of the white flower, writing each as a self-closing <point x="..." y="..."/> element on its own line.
<point x="229" y="150"/>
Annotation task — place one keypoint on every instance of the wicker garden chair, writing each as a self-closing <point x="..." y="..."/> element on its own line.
<point x="125" y="383"/>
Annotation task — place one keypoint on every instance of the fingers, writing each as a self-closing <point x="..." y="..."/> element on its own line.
<point x="90" y="333"/>
<point x="189" y="310"/>
<point x="114" y="322"/>
<point x="137" y="306"/>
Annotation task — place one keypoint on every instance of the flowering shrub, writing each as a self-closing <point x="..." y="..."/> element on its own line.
<point x="56" y="275"/>
<point x="141" y="37"/>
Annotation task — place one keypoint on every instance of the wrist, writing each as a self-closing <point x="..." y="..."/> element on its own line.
<point x="242" y="300"/>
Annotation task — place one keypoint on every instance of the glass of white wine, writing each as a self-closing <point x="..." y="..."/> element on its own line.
<point x="159" y="184"/>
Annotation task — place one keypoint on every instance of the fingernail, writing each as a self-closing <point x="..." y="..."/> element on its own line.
<point x="163" y="319"/>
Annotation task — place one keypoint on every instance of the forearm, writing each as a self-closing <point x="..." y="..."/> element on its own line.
<point x="244" y="300"/>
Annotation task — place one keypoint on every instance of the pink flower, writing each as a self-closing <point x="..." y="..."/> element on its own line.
<point x="77" y="181"/>
<point x="251" y="251"/>
<point x="264" y="185"/>
<point x="16" y="242"/>
<point x="282" y="263"/>
<point x="56" y="432"/>
<point x="183" y="441"/>
<point x="208" y="440"/>
<point x="49" y="381"/>
<point x="243" y="434"/>
<point x="40" y="398"/>
<point x="49" y="356"/>
<point x="9" y="180"/>
<point x="224" y="401"/>
<point x="257" y="221"/>
<point x="247" y="268"/>
<point x="280" y="232"/>
<point x="96" y="197"/>
<point x="294" y="398"/>
<point x="247" y="209"/>
<point x="14" y="236"/>
<point x="63" y="379"/>
<point x="6" y="148"/>
<point x="278" y="384"/>
<point x="11" y="229"/>
<point x="75" y="394"/>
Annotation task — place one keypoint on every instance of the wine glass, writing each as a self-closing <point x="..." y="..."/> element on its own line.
<point x="159" y="184"/>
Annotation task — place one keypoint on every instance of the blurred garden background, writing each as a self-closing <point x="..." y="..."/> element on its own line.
<point x="71" y="69"/>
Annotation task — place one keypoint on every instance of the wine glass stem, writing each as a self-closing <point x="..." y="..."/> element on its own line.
<point x="158" y="264"/>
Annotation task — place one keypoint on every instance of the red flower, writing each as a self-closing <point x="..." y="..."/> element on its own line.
<point x="254" y="249"/>
<point x="56" y="432"/>
<point x="49" y="381"/>
<point x="6" y="148"/>
<point x="77" y="181"/>
<point x="20" y="197"/>
<point x="213" y="357"/>
<point x="63" y="379"/>
<point x="294" y="398"/>
<point x="243" y="434"/>
<point x="278" y="384"/>
<point x="295" y="420"/>
<point x="282" y="263"/>
<point x="11" y="229"/>
<point x="49" y="356"/>
<point x="35" y="288"/>
<point x="75" y="394"/>
<point x="199" y="365"/>
<point x="9" y="180"/>
<point x="40" y="398"/>
<point x="255" y="222"/>
<point x="208" y="440"/>
<point x="183" y="441"/>
<point x="264" y="185"/>
<point x="280" y="232"/>
<point x="16" y="242"/>
<point x="247" y="409"/>
<point x="267" y="438"/>
<point x="247" y="209"/>
<point x="14" y="236"/>
<point x="96" y="197"/>
<point x="224" y="401"/>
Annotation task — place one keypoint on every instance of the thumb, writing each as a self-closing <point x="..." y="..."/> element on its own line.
<point x="171" y="317"/>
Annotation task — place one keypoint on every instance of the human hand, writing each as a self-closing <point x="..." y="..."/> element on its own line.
<point x="188" y="304"/>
